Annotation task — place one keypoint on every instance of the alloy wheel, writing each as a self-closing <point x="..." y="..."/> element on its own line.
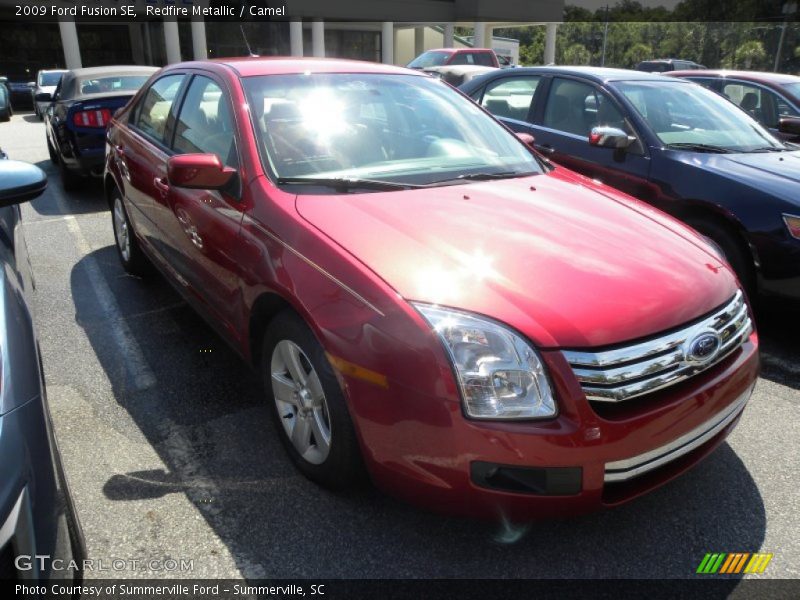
<point x="122" y="230"/>
<point x="300" y="401"/>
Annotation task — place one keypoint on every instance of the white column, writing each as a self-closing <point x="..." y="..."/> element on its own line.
<point x="449" y="35"/>
<point x="387" y="42"/>
<point x="172" y="41"/>
<point x="550" y="44"/>
<point x="479" y="35"/>
<point x="488" y="35"/>
<point x="318" y="38"/>
<point x="296" y="38"/>
<point x="69" y="41"/>
<point x="199" y="45"/>
<point x="419" y="41"/>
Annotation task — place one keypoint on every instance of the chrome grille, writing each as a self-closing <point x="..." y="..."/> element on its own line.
<point x="630" y="371"/>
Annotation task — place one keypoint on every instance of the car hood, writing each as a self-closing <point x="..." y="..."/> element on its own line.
<point x="566" y="265"/>
<point x="775" y="172"/>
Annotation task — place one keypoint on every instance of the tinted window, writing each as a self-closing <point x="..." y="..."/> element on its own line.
<point x="205" y="124"/>
<point x="758" y="102"/>
<point x="153" y="112"/>
<point x="463" y="58"/>
<point x="484" y="59"/>
<point x="510" y="97"/>
<point x="577" y="107"/>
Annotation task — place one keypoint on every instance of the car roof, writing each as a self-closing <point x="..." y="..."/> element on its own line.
<point x="596" y="74"/>
<point x="750" y="75"/>
<point x="250" y="66"/>
<point x="113" y="70"/>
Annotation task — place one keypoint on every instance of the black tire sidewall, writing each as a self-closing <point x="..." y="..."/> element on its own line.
<point x="137" y="264"/>
<point x="738" y="257"/>
<point x="343" y="467"/>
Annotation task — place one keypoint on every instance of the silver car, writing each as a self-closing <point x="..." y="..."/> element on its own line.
<point x="46" y="83"/>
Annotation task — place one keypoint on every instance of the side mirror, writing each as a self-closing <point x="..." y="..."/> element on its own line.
<point x="43" y="97"/>
<point x="610" y="137"/>
<point x="790" y="125"/>
<point x="525" y="138"/>
<point x="198" y="171"/>
<point x="21" y="182"/>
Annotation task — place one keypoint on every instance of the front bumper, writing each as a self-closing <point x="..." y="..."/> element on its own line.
<point x="586" y="459"/>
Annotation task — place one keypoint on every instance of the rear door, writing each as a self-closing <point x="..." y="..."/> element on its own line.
<point x="202" y="226"/>
<point x="142" y="152"/>
<point x="561" y="129"/>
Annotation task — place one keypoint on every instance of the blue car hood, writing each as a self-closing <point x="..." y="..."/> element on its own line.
<point x="777" y="173"/>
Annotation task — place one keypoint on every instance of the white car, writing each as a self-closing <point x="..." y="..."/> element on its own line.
<point x="46" y="83"/>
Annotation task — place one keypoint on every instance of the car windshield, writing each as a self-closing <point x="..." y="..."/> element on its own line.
<point x="794" y="88"/>
<point x="399" y="129"/>
<point x="49" y="79"/>
<point x="685" y="114"/>
<point x="119" y="83"/>
<point x="429" y="59"/>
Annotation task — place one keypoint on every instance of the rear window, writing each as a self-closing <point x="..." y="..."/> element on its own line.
<point x="101" y="85"/>
<point x="654" y="67"/>
<point x="429" y="59"/>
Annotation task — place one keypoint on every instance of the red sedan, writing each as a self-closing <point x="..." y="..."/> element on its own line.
<point x="428" y="301"/>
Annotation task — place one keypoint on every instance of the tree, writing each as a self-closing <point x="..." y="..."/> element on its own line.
<point x="750" y="54"/>
<point x="576" y="54"/>
<point x="637" y="53"/>
<point x="797" y="52"/>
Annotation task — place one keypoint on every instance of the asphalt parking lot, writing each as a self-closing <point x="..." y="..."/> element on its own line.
<point x="169" y="452"/>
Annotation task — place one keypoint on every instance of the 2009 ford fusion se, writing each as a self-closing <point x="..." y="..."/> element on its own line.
<point x="429" y="303"/>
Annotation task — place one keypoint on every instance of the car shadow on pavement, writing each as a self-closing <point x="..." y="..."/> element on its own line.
<point x="88" y="198"/>
<point x="778" y="324"/>
<point x="31" y="118"/>
<point x="202" y="412"/>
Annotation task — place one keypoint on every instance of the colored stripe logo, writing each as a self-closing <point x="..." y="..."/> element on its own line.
<point x="735" y="562"/>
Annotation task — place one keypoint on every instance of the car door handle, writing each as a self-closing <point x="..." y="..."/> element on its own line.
<point x="120" y="151"/>
<point x="545" y="148"/>
<point x="161" y="185"/>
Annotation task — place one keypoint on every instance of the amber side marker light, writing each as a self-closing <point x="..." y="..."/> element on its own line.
<point x="349" y="369"/>
<point x="793" y="225"/>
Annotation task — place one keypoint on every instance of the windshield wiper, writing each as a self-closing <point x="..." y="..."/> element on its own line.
<point x="345" y="183"/>
<point x="770" y="149"/>
<point x="699" y="147"/>
<point x="482" y="176"/>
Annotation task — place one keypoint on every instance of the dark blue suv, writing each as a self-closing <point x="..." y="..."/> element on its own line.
<point x="673" y="144"/>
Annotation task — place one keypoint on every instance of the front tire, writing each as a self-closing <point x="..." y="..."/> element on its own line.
<point x="734" y="250"/>
<point x="130" y="253"/>
<point x="308" y="406"/>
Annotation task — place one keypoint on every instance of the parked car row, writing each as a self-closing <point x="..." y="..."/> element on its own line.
<point x="337" y="223"/>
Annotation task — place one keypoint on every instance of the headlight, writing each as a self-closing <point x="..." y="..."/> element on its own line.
<point x="500" y="374"/>
<point x="793" y="225"/>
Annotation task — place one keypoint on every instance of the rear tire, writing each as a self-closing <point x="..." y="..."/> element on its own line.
<point x="130" y="253"/>
<point x="307" y="404"/>
<point x="52" y="152"/>
<point x="733" y="248"/>
<point x="69" y="178"/>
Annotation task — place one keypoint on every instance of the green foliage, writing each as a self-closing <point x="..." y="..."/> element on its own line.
<point x="576" y="54"/>
<point x="750" y="55"/>
<point x="637" y="53"/>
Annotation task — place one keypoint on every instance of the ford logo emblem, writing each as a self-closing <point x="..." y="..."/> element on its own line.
<point x="703" y="348"/>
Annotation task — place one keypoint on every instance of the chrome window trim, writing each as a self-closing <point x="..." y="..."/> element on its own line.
<point x="622" y="373"/>
<point x="622" y="470"/>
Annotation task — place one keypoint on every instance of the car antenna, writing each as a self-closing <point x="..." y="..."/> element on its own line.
<point x="246" y="43"/>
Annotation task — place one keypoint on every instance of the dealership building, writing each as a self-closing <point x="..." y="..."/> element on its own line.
<point x="384" y="32"/>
